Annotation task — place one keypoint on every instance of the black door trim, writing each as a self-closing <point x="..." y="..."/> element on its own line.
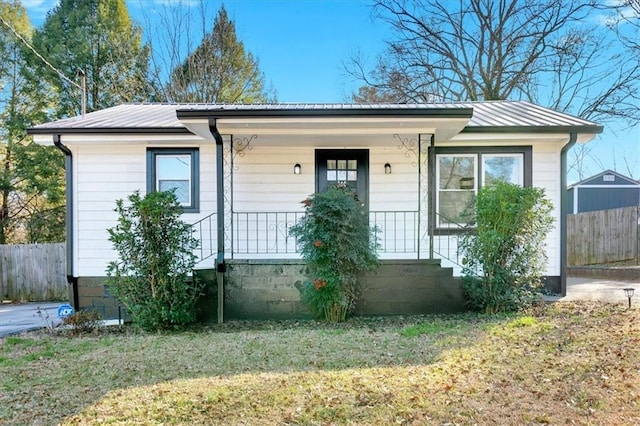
<point x="361" y="155"/>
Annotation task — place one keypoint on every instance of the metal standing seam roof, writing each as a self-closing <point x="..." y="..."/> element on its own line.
<point x="489" y="116"/>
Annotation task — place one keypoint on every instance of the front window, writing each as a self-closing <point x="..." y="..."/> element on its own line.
<point x="456" y="186"/>
<point x="174" y="169"/>
<point x="508" y="167"/>
<point x="461" y="172"/>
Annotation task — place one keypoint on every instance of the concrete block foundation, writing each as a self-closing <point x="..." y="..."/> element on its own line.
<point x="268" y="289"/>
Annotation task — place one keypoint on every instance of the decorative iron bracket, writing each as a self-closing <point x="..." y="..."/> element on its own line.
<point x="409" y="146"/>
<point x="240" y="145"/>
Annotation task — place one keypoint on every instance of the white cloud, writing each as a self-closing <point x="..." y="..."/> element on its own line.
<point x="620" y="14"/>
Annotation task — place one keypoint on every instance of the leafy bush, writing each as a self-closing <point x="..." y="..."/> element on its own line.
<point x="507" y="245"/>
<point x="337" y="243"/>
<point x="155" y="248"/>
<point x="83" y="322"/>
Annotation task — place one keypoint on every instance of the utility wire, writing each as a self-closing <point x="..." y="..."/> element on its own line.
<point x="26" y="43"/>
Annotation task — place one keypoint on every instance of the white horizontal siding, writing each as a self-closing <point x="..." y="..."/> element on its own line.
<point x="546" y="175"/>
<point x="263" y="179"/>
<point x="397" y="191"/>
<point x="104" y="174"/>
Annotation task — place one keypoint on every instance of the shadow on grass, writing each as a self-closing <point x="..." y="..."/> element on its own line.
<point x="216" y="367"/>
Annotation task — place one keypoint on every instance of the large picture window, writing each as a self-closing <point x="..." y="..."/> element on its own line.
<point x="175" y="169"/>
<point x="460" y="172"/>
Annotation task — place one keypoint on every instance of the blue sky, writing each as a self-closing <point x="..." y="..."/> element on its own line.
<point x="302" y="45"/>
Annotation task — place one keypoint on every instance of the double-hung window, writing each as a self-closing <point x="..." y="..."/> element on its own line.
<point x="175" y="169"/>
<point x="460" y="172"/>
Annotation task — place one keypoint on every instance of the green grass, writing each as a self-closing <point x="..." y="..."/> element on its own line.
<point x="574" y="363"/>
<point x="436" y="326"/>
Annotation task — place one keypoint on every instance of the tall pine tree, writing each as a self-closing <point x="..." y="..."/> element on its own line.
<point x="31" y="176"/>
<point x="219" y="70"/>
<point x="99" y="38"/>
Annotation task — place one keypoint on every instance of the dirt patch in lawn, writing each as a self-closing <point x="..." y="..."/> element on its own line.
<point x="568" y="363"/>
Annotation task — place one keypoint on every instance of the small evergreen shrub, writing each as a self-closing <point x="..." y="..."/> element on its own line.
<point x="507" y="246"/>
<point x="155" y="257"/>
<point x="338" y="244"/>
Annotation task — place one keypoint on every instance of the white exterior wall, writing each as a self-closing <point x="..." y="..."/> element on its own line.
<point x="263" y="181"/>
<point x="103" y="174"/>
<point x="545" y="174"/>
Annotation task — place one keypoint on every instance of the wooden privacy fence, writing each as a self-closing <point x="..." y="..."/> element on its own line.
<point x="603" y="236"/>
<point x="33" y="272"/>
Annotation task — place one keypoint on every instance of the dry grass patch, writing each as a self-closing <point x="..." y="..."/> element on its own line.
<point x="574" y="363"/>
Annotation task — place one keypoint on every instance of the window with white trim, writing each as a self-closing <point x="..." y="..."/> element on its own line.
<point x="460" y="172"/>
<point x="175" y="169"/>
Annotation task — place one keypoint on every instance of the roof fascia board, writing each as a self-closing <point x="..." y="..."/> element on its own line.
<point x="108" y="130"/>
<point x="113" y="139"/>
<point x="534" y="129"/>
<point x="512" y="136"/>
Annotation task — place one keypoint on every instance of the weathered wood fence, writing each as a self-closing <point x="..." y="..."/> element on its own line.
<point x="603" y="236"/>
<point x="33" y="272"/>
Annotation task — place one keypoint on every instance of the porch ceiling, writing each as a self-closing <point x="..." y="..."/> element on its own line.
<point x="312" y="130"/>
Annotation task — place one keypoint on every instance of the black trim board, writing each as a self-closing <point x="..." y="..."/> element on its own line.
<point x="534" y="129"/>
<point x="335" y="112"/>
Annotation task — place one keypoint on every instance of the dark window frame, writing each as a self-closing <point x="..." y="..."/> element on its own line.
<point x="478" y="151"/>
<point x="194" y="153"/>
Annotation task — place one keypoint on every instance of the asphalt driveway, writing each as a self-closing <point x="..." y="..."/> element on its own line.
<point x="19" y="317"/>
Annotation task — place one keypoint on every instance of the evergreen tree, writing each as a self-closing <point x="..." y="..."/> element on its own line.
<point x="218" y="70"/>
<point x="31" y="176"/>
<point x="99" y="38"/>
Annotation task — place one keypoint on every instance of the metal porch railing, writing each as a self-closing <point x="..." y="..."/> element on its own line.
<point x="400" y="235"/>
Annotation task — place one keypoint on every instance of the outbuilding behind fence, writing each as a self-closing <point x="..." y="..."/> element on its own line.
<point x="33" y="272"/>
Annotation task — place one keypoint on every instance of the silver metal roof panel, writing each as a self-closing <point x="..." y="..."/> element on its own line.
<point x="490" y="116"/>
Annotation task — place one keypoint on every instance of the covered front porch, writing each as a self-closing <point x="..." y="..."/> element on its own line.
<point x="269" y="161"/>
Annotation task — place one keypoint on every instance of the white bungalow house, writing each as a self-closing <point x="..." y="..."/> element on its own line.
<point x="241" y="172"/>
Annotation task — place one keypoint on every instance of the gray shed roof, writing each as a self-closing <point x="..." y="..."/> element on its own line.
<point x="490" y="116"/>
<point x="597" y="179"/>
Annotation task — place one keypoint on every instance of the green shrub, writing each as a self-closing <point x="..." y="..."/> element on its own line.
<point x="337" y="244"/>
<point x="507" y="246"/>
<point x="156" y="257"/>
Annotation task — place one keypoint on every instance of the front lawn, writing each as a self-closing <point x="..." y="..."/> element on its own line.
<point x="571" y="363"/>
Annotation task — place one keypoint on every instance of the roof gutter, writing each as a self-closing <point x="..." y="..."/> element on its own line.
<point x="564" y="210"/>
<point x="220" y="264"/>
<point x="68" y="167"/>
